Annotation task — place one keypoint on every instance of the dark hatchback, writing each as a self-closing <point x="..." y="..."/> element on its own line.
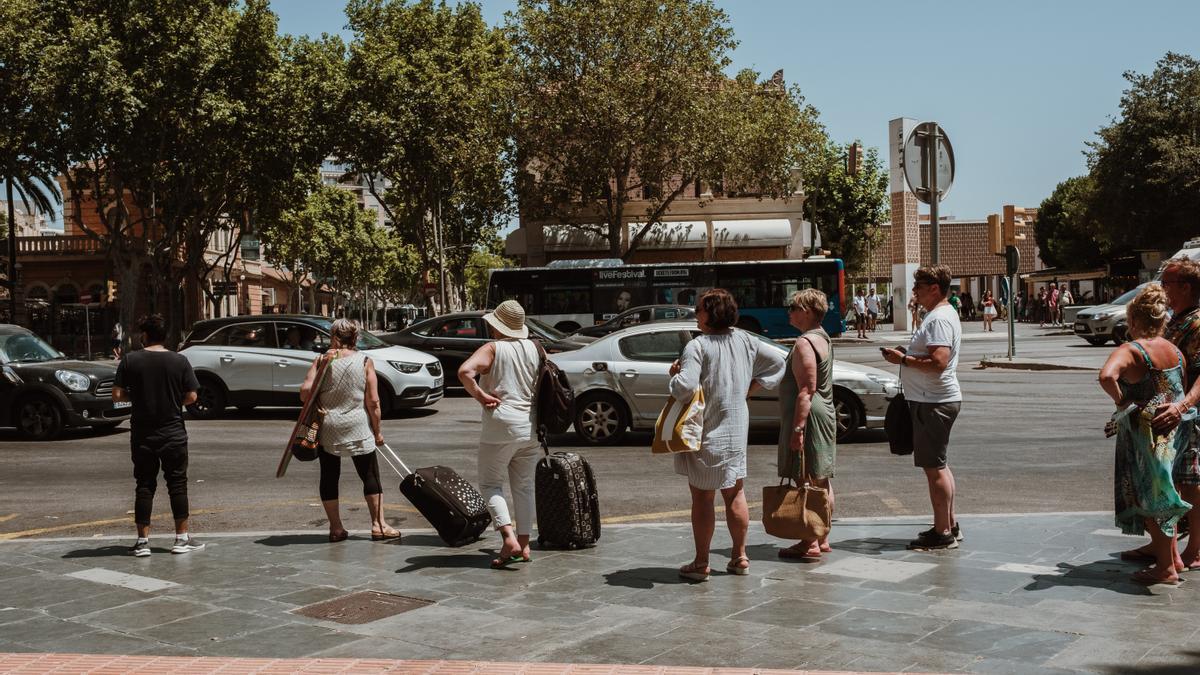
<point x="452" y="338"/>
<point x="43" y="392"/>
<point x="637" y="316"/>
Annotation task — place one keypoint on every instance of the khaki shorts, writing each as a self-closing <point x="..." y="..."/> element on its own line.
<point x="931" y="432"/>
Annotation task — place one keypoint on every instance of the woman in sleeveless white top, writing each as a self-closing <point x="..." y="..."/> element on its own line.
<point x="508" y="445"/>
<point x="349" y="396"/>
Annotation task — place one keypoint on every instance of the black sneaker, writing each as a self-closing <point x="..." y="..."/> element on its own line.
<point x="931" y="539"/>
<point x="140" y="550"/>
<point x="186" y="545"/>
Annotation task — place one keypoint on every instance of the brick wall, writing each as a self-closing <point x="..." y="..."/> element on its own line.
<point x="963" y="247"/>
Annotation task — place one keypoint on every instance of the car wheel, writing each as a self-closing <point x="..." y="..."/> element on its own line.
<point x="387" y="399"/>
<point x="601" y="419"/>
<point x="846" y="411"/>
<point x="38" y="418"/>
<point x="1096" y="342"/>
<point x="210" y="400"/>
<point x="1120" y="335"/>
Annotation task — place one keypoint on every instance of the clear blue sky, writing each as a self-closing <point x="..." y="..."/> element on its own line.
<point x="1019" y="85"/>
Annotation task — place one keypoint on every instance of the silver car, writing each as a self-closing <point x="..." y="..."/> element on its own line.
<point x="249" y="361"/>
<point x="620" y="383"/>
<point x="1100" y="323"/>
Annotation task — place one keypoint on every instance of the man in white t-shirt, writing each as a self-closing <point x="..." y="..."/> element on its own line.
<point x="872" y="309"/>
<point x="860" y="313"/>
<point x="928" y="372"/>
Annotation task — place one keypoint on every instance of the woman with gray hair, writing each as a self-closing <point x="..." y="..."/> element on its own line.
<point x="351" y="428"/>
<point x="808" y="423"/>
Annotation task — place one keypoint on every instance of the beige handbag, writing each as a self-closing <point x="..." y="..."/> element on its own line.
<point x="793" y="511"/>
<point x="680" y="426"/>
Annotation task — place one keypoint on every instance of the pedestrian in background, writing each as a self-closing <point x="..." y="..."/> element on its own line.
<point x="1052" y="305"/>
<point x="1040" y="308"/>
<point x="914" y="308"/>
<point x="872" y="309"/>
<point x="860" y="313"/>
<point x="989" y="310"/>
<point x="508" y="445"/>
<point x="1181" y="281"/>
<point x="929" y="375"/>
<point x="117" y="338"/>
<point x="729" y="364"/>
<point x="349" y="395"/>
<point x="807" y="421"/>
<point x="1148" y="373"/>
<point x="157" y="383"/>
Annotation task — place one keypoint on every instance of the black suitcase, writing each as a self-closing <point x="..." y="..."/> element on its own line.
<point x="452" y="505"/>
<point x="568" y="507"/>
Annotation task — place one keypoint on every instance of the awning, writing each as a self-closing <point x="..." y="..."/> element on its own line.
<point x="1062" y="275"/>
<point x="672" y="234"/>
<point x="752" y="233"/>
<point x="571" y="238"/>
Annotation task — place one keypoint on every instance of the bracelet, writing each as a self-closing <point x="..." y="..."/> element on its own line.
<point x="904" y="360"/>
<point x="798" y="430"/>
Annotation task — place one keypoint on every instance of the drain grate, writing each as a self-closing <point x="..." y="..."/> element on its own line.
<point x="362" y="607"/>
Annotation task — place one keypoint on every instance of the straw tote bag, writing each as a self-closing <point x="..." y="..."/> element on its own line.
<point x="792" y="511"/>
<point x="680" y="426"/>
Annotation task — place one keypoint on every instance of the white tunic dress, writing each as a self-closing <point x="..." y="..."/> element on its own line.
<point x="724" y="365"/>
<point x="346" y="429"/>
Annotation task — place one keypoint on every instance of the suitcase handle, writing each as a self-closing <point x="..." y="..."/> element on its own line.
<point x="384" y="451"/>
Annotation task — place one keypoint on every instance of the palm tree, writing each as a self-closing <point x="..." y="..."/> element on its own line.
<point x="38" y="190"/>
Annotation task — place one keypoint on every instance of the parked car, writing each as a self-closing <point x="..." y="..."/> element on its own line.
<point x="636" y="316"/>
<point x="620" y="383"/>
<point x="248" y="361"/>
<point x="1100" y="323"/>
<point x="42" y="391"/>
<point x="454" y="337"/>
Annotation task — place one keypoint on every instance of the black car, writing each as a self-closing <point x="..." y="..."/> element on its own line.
<point x="638" y="315"/>
<point x="42" y="392"/>
<point x="454" y="337"/>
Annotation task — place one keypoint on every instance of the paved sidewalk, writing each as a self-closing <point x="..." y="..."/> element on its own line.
<point x="1025" y="594"/>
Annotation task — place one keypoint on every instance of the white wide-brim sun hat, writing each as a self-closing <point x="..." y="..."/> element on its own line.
<point x="508" y="319"/>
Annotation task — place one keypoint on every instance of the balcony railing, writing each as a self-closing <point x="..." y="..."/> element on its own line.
<point x="59" y="245"/>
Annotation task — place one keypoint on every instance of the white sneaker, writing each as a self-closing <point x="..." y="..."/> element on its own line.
<point x="187" y="545"/>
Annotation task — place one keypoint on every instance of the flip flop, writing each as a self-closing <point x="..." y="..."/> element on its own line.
<point x="342" y="536"/>
<point x="1137" y="555"/>
<point x="503" y="563"/>
<point x="695" y="572"/>
<point x="733" y="568"/>
<point x="385" y="536"/>
<point x="1148" y="577"/>
<point x="793" y="553"/>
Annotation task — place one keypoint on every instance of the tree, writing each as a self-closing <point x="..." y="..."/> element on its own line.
<point x="484" y="258"/>
<point x="627" y="99"/>
<point x="1068" y="234"/>
<point x="848" y="208"/>
<point x="429" y="100"/>
<point x="1146" y="164"/>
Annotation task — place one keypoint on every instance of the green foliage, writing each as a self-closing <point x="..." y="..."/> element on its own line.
<point x="627" y="99"/>
<point x="847" y="208"/>
<point x="480" y="262"/>
<point x="336" y="241"/>
<point x="26" y="125"/>
<point x="1068" y="235"/>
<point x="429" y="114"/>
<point x="1146" y="164"/>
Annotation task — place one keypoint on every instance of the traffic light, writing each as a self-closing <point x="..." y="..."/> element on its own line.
<point x="110" y="293"/>
<point x="854" y="159"/>
<point x="995" y="235"/>
<point x="1014" y="224"/>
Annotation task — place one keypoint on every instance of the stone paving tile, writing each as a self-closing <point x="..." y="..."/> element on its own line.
<point x="146" y="614"/>
<point x="999" y="641"/>
<point x="885" y="626"/>
<point x="93" y="603"/>
<point x="203" y="629"/>
<point x="285" y="641"/>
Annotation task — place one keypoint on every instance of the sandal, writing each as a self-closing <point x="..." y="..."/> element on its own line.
<point x="385" y="535"/>
<point x="695" y="571"/>
<point x="503" y="563"/>
<point x="340" y="536"/>
<point x="800" y="552"/>
<point x="735" y="568"/>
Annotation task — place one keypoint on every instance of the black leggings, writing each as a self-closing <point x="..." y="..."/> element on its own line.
<point x="331" y="470"/>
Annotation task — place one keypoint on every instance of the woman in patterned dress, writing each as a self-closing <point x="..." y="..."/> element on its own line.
<point x="808" y="422"/>
<point x="1147" y="372"/>
<point x="727" y="363"/>
<point x="351" y="428"/>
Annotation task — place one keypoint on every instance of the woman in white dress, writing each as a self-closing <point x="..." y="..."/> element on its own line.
<point x="729" y="364"/>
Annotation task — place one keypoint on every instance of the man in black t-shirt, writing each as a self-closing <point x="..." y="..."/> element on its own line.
<point x="158" y="383"/>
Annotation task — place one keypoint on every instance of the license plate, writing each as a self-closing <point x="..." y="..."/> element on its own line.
<point x="437" y="383"/>
<point x="122" y="404"/>
<point x="1081" y="327"/>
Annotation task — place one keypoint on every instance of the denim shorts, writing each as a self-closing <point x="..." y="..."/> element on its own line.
<point x="931" y="431"/>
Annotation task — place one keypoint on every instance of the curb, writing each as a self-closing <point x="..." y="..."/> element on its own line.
<point x="1003" y="362"/>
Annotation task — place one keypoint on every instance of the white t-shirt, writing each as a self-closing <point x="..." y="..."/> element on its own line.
<point x="860" y="305"/>
<point x="939" y="329"/>
<point x="873" y="303"/>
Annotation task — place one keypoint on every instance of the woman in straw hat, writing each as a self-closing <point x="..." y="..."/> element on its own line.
<point x="507" y="368"/>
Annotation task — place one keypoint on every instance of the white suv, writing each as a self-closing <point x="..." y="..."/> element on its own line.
<point x="261" y="360"/>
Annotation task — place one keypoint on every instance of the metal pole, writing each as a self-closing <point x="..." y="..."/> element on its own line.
<point x="1012" y="293"/>
<point x="931" y="149"/>
<point x="12" y="253"/>
<point x="87" y="327"/>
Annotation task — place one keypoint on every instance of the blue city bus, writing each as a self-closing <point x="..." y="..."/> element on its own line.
<point x="583" y="293"/>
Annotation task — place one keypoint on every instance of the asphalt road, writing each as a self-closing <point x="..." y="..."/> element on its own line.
<point x="1026" y="441"/>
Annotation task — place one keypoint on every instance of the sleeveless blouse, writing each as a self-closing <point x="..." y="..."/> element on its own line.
<point x="346" y="429"/>
<point x="820" y="431"/>
<point x="511" y="379"/>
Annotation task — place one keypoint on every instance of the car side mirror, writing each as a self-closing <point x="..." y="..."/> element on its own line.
<point x="600" y="366"/>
